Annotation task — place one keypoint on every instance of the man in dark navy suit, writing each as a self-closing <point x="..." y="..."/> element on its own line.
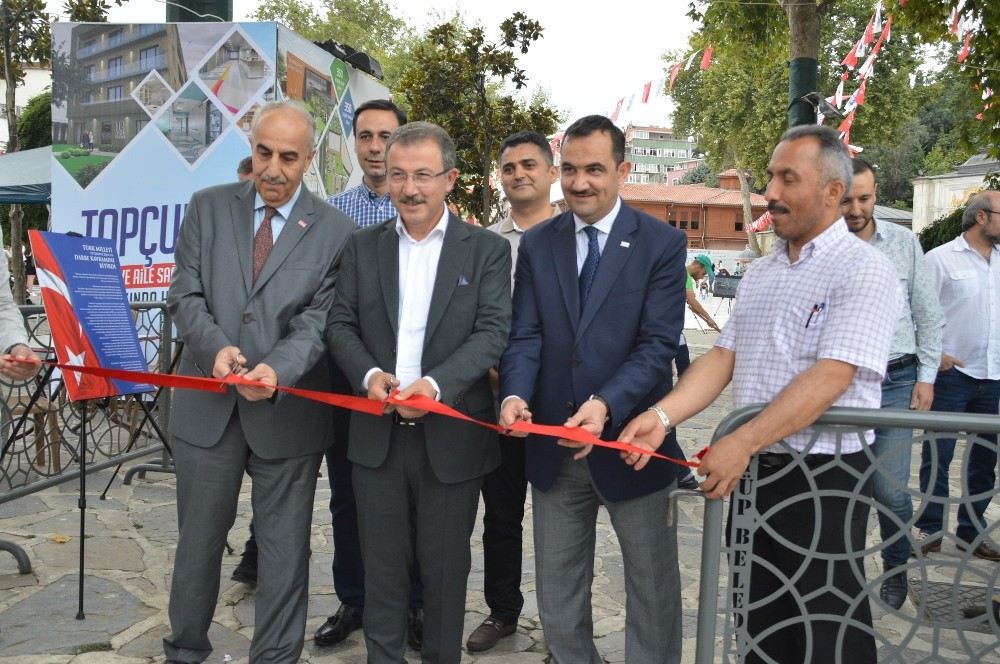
<point x="598" y="309"/>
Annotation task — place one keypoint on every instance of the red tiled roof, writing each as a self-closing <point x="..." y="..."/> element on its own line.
<point x="686" y="194"/>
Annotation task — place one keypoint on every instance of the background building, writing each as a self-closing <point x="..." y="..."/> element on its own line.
<point x="36" y="80"/>
<point x="657" y="156"/>
<point x="936" y="195"/>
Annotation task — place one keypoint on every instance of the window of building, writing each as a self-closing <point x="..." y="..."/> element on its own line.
<point x="640" y="134"/>
<point x="147" y="57"/>
<point x="672" y="223"/>
<point x="115" y="66"/>
<point x="115" y="93"/>
<point x="91" y="72"/>
<point x="738" y="222"/>
<point x="694" y="224"/>
<point x="676" y="181"/>
<point x="120" y="129"/>
<point x="684" y="224"/>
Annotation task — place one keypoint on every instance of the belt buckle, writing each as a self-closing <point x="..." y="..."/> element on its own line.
<point x="404" y="422"/>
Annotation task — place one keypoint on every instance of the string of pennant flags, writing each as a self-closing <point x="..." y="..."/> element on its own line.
<point x="663" y="86"/>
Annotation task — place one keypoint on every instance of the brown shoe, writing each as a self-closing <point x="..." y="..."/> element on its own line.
<point x="489" y="633"/>
<point x="927" y="543"/>
<point x="984" y="550"/>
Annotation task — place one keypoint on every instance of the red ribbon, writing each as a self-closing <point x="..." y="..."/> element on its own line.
<point x="366" y="405"/>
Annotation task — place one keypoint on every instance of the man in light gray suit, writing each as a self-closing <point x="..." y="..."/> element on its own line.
<point x="250" y="295"/>
<point x="422" y="304"/>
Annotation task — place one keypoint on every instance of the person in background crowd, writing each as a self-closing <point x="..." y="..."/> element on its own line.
<point x="526" y="175"/>
<point x="966" y="275"/>
<point x="909" y="378"/>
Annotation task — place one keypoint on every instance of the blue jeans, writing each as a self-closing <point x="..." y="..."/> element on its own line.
<point x="954" y="391"/>
<point x="893" y="448"/>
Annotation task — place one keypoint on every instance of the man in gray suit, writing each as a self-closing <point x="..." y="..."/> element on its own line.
<point x="422" y="304"/>
<point x="250" y="295"/>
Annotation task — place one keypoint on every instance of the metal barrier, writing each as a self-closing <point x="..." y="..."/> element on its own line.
<point x="956" y="596"/>
<point x="39" y="426"/>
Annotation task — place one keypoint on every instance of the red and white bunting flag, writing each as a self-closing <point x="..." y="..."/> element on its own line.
<point x="884" y="37"/>
<point x="851" y="61"/>
<point x="706" y="60"/>
<point x="645" y="92"/>
<point x="869" y="35"/>
<point x="963" y="53"/>
<point x="761" y="223"/>
<point x="878" y="16"/>
<point x="676" y="69"/>
<point x="618" y="108"/>
<point x="852" y="102"/>
<point x="631" y="98"/>
<point x="687" y="65"/>
<point x="838" y="97"/>
<point x="953" y="21"/>
<point x="845" y="126"/>
<point x="861" y="92"/>
<point x="868" y="68"/>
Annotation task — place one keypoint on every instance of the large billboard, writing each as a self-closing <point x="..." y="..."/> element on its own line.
<point x="143" y="115"/>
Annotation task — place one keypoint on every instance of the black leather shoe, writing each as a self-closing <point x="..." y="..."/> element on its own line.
<point x="415" y="629"/>
<point x="338" y="626"/>
<point x="489" y="633"/>
<point x="246" y="571"/>
<point x="893" y="590"/>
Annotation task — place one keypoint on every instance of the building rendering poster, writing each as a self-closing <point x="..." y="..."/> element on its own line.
<point x="143" y="115"/>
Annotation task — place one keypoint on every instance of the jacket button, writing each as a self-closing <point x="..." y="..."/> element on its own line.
<point x="247" y="318"/>
<point x="569" y="406"/>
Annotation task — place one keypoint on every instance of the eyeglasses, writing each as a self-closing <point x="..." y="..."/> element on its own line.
<point x="420" y="178"/>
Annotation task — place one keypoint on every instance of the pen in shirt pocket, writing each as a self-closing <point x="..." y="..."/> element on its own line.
<point x="817" y="308"/>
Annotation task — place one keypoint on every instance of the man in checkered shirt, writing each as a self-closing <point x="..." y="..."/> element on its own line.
<point x="811" y="329"/>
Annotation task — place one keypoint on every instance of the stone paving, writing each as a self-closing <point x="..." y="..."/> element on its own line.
<point x="130" y="547"/>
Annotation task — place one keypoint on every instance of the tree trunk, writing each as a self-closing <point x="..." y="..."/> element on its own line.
<point x="804" y="29"/>
<point x="16" y="215"/>
<point x="487" y="198"/>
<point x="747" y="211"/>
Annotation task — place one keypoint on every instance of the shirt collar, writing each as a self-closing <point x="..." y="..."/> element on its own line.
<point x="370" y="193"/>
<point x="822" y="242"/>
<point x="284" y="210"/>
<point x="439" y="227"/>
<point x="604" y="224"/>
<point x="508" y="225"/>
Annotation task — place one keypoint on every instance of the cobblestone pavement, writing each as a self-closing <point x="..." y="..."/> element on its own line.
<point x="130" y="547"/>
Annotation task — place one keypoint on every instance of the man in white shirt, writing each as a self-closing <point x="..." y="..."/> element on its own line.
<point x="423" y="306"/>
<point x="966" y="274"/>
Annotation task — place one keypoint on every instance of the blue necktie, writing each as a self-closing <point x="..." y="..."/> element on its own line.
<point x="589" y="270"/>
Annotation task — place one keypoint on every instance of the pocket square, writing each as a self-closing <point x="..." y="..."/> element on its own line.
<point x="463" y="280"/>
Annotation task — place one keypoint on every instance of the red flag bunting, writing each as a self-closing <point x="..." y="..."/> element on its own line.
<point x="618" y="107"/>
<point x="645" y="92"/>
<point x="676" y="69"/>
<point x="964" y="52"/>
<point x="869" y="35"/>
<point x="706" y="60"/>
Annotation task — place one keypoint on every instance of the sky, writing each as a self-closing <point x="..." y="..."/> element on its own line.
<point x="587" y="60"/>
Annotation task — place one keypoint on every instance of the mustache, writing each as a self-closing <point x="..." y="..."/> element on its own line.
<point x="273" y="179"/>
<point x="777" y="207"/>
<point x="411" y="200"/>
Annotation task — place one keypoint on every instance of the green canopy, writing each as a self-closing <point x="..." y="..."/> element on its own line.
<point x="25" y="176"/>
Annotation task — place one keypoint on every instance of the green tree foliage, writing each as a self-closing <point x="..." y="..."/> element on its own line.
<point x="455" y="77"/>
<point x="34" y="130"/>
<point x="701" y="174"/>
<point x="977" y="115"/>
<point x="941" y="230"/>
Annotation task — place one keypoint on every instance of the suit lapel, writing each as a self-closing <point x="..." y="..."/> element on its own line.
<point x="241" y="215"/>
<point x="388" y="273"/>
<point x="454" y="252"/>
<point x="564" y="259"/>
<point x="298" y="223"/>
<point x="616" y="252"/>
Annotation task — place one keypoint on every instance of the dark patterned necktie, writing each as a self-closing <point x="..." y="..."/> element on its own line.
<point x="262" y="242"/>
<point x="589" y="270"/>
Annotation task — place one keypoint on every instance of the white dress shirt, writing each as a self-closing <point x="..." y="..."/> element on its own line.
<point x="418" y="264"/>
<point x="282" y="212"/>
<point x="969" y="288"/>
<point x="603" y="225"/>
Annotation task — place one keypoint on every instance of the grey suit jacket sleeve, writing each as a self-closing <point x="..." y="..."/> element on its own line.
<point x="11" y="322"/>
<point x="482" y="349"/>
<point x="344" y="329"/>
<point x="203" y="338"/>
